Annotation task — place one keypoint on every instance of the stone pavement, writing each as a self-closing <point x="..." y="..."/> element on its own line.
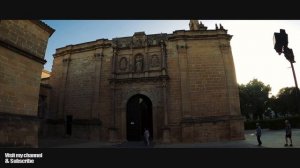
<point x="269" y="138"/>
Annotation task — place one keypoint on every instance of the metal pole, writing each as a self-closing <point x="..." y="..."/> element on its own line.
<point x="297" y="90"/>
<point x="294" y="75"/>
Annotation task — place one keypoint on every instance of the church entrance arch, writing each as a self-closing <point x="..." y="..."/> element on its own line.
<point x="138" y="117"/>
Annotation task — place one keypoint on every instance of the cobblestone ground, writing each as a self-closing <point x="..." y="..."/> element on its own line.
<point x="269" y="138"/>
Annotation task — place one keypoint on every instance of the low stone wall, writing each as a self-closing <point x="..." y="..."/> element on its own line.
<point x="81" y="129"/>
<point x="18" y="130"/>
<point x="209" y="129"/>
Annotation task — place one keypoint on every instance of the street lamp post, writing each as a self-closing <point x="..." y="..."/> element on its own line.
<point x="296" y="84"/>
<point x="290" y="57"/>
<point x="281" y="46"/>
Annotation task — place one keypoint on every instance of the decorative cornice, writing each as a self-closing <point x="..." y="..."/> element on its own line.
<point x="22" y="52"/>
<point x="132" y="72"/>
<point x="83" y="49"/>
<point x="200" y="37"/>
<point x="142" y="79"/>
<point x="44" y="26"/>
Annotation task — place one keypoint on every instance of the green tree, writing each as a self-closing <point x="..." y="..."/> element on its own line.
<point x="273" y="105"/>
<point x="287" y="101"/>
<point x="253" y="99"/>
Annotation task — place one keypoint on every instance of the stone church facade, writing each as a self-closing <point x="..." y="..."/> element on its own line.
<point x="181" y="86"/>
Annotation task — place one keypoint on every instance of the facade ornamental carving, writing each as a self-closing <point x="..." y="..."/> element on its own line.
<point x="138" y="43"/>
<point x="123" y="63"/>
<point x="152" y="42"/>
<point x="154" y="61"/>
<point x="139" y="63"/>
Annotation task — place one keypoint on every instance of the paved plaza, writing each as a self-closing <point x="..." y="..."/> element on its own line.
<point x="269" y="138"/>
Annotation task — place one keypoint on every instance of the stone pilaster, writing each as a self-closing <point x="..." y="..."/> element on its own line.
<point x="184" y="77"/>
<point x="166" y="129"/>
<point x="61" y="104"/>
<point x="95" y="114"/>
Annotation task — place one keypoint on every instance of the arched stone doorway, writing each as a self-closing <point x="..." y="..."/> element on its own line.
<point x="138" y="117"/>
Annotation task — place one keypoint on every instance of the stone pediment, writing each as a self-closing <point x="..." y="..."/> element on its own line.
<point x="139" y="40"/>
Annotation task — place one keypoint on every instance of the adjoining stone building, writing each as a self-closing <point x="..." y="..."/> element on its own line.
<point x="181" y="86"/>
<point x="22" y="50"/>
<point x="44" y="101"/>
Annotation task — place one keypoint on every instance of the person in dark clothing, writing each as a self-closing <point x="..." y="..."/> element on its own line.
<point x="288" y="133"/>
<point x="258" y="134"/>
<point x="146" y="136"/>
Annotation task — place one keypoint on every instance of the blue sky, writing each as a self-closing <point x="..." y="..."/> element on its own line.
<point x="252" y="42"/>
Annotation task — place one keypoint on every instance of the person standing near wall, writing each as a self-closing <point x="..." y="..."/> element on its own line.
<point x="288" y="133"/>
<point x="146" y="136"/>
<point x="258" y="134"/>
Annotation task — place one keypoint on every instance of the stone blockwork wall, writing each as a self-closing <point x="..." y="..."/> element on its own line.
<point x="18" y="130"/>
<point x="201" y="77"/>
<point x="203" y="84"/>
<point x="79" y="80"/>
<point x="31" y="36"/>
<point x="173" y="90"/>
<point x="79" y="85"/>
<point x="22" y="48"/>
<point x="19" y="82"/>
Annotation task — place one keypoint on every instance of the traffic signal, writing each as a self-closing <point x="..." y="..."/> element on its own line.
<point x="280" y="41"/>
<point x="289" y="55"/>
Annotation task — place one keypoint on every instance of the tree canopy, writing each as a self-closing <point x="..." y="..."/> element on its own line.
<point x="253" y="99"/>
<point x="255" y="102"/>
<point x="286" y="103"/>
